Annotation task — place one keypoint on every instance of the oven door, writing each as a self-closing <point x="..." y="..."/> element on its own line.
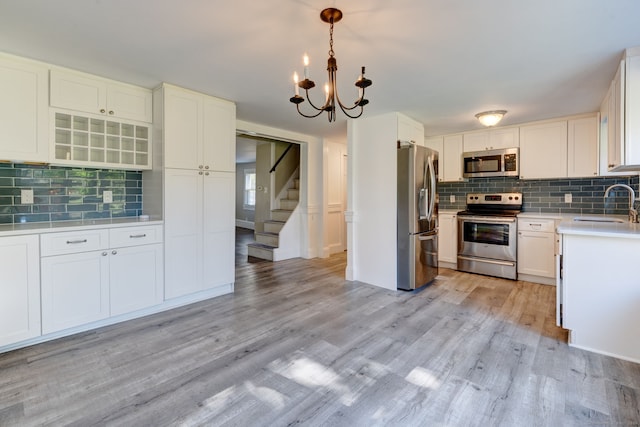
<point x="487" y="237"/>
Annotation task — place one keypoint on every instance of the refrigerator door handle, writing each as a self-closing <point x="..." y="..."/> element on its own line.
<point x="432" y="188"/>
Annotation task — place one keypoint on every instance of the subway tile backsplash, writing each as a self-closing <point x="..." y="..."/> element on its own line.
<point x="547" y="195"/>
<point x="63" y="193"/>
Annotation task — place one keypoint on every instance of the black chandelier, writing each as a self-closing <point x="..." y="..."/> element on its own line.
<point x="331" y="16"/>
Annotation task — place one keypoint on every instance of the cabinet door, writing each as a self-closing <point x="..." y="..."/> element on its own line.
<point x="582" y="146"/>
<point x="410" y="130"/>
<point x="135" y="278"/>
<point x="477" y="141"/>
<point x="75" y="290"/>
<point x="632" y="111"/>
<point x="452" y="154"/>
<point x="24" y="111"/>
<point x="219" y="229"/>
<point x="80" y="92"/>
<point x="543" y="150"/>
<point x="182" y="129"/>
<point x="448" y="238"/>
<point x="536" y="253"/>
<point x="129" y="102"/>
<point x="19" y="289"/>
<point x="219" y="135"/>
<point x="183" y="232"/>
<point x="504" y="138"/>
<point x="616" y="119"/>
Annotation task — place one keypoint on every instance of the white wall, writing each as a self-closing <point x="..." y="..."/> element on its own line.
<point x="371" y="213"/>
<point x="335" y="179"/>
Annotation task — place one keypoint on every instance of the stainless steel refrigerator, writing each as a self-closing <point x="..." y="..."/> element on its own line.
<point x="417" y="224"/>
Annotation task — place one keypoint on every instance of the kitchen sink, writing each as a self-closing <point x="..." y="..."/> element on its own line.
<point x="606" y="219"/>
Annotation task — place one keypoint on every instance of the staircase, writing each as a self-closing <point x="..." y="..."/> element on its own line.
<point x="268" y="240"/>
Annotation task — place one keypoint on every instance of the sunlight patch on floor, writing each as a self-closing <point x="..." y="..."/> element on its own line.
<point x="422" y="378"/>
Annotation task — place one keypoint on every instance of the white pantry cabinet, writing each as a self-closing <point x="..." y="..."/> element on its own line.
<point x="491" y="139"/>
<point x="86" y="279"/>
<point x="19" y="289"/>
<point x="199" y="230"/>
<point x="447" y="239"/>
<point x="96" y="95"/>
<point x="24" y="110"/>
<point x="536" y="250"/>
<point x="451" y="161"/>
<point x="199" y="131"/>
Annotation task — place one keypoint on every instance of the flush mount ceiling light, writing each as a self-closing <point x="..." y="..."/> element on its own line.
<point x="491" y="118"/>
<point x="331" y="16"/>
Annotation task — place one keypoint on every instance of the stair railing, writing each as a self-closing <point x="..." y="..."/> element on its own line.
<point x="275" y="165"/>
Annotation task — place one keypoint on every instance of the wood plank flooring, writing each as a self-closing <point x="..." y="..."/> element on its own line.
<point x="298" y="345"/>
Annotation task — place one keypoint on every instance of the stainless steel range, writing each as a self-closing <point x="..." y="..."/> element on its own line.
<point x="487" y="234"/>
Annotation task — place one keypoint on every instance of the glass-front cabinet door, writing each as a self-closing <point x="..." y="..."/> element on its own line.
<point x="80" y="140"/>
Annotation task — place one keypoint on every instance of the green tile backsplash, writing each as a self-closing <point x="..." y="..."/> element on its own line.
<point x="63" y="193"/>
<point x="547" y="195"/>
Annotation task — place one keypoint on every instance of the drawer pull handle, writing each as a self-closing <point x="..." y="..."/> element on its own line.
<point x="75" y="242"/>
<point x="137" y="236"/>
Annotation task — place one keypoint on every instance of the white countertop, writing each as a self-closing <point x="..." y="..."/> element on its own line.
<point x="625" y="229"/>
<point x="57" y="226"/>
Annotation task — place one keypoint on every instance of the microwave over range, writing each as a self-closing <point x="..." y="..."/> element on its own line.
<point x="500" y="162"/>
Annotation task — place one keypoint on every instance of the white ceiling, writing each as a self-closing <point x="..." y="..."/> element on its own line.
<point x="437" y="61"/>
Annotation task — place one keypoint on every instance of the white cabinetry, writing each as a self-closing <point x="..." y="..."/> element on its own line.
<point x="199" y="190"/>
<point x="199" y="131"/>
<point x="452" y="158"/>
<point x="95" y="95"/>
<point x="582" y="147"/>
<point x="536" y="250"/>
<point x="543" y="150"/>
<point x="86" y="279"/>
<point x="24" y="110"/>
<point x="19" y="289"/>
<point x="491" y="139"/>
<point x="410" y="130"/>
<point x="447" y="240"/>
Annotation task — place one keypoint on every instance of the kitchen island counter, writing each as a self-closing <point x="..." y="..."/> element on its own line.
<point x="52" y="227"/>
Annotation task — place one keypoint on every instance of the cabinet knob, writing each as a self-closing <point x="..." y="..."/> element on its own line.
<point x="200" y="173"/>
<point x="200" y="166"/>
<point x="111" y="112"/>
<point x="114" y="252"/>
<point x="206" y="173"/>
<point x="104" y="254"/>
<point x="206" y="167"/>
<point x="611" y="165"/>
<point x="102" y="110"/>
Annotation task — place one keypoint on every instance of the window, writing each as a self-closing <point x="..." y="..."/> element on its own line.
<point x="249" y="188"/>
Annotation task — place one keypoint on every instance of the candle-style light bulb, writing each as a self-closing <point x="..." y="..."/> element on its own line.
<point x="305" y="60"/>
<point x="296" y="88"/>
<point x="326" y="91"/>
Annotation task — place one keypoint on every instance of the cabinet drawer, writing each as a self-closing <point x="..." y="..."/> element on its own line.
<point x="73" y="242"/>
<point x="547" y="225"/>
<point x="134" y="236"/>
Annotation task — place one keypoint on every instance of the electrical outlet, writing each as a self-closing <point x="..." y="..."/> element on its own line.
<point x="107" y="196"/>
<point x="452" y="198"/>
<point x="568" y="198"/>
<point x="26" y="197"/>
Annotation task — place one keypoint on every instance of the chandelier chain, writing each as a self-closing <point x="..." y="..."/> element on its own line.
<point x="331" y="53"/>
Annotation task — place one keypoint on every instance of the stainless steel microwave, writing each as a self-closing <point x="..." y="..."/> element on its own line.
<point x="500" y="162"/>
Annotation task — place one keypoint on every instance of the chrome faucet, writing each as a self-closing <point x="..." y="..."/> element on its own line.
<point x="633" y="213"/>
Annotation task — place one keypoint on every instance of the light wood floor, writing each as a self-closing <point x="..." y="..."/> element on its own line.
<point x="297" y="344"/>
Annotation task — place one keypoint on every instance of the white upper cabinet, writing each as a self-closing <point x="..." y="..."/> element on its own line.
<point x="491" y="139"/>
<point x="410" y="130"/>
<point x="24" y="110"/>
<point x="199" y="131"/>
<point x="582" y="147"/>
<point x="95" y="95"/>
<point x="451" y="158"/>
<point x="543" y="150"/>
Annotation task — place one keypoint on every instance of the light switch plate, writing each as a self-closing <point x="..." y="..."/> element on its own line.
<point x="107" y="196"/>
<point x="568" y="198"/>
<point x="26" y="196"/>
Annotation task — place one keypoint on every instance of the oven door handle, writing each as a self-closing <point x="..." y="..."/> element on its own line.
<point x="488" y="261"/>
<point x="500" y="220"/>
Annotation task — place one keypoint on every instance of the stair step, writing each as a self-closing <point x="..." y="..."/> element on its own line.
<point x="280" y="214"/>
<point x="273" y="226"/>
<point x="296" y="183"/>
<point x="288" y="204"/>
<point x="293" y="194"/>
<point x="270" y="239"/>
<point x="258" y="250"/>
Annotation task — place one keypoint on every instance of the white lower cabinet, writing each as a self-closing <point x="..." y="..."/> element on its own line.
<point x="536" y="250"/>
<point x="91" y="275"/>
<point x="447" y="240"/>
<point x="19" y="289"/>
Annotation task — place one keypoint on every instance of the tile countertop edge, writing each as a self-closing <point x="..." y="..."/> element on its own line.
<point x="60" y="226"/>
